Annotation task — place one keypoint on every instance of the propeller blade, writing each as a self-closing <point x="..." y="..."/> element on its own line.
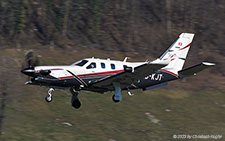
<point x="29" y="63"/>
<point x="36" y="61"/>
<point x="29" y="58"/>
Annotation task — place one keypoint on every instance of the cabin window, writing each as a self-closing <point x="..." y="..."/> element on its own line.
<point x="91" y="66"/>
<point x="103" y="65"/>
<point x="113" y="66"/>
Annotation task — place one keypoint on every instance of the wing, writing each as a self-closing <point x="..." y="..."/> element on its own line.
<point x="194" y="69"/>
<point x="128" y="77"/>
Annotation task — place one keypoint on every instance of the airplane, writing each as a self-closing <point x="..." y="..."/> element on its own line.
<point x="102" y="75"/>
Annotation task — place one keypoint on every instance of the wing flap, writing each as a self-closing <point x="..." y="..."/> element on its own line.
<point x="195" y="69"/>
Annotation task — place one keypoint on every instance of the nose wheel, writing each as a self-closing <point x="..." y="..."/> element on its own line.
<point x="48" y="98"/>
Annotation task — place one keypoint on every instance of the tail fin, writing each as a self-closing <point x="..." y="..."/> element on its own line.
<point x="176" y="54"/>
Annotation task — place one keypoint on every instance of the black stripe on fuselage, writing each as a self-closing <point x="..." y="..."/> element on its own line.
<point x="78" y="79"/>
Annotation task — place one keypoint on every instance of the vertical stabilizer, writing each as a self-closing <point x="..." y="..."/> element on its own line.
<point x="176" y="54"/>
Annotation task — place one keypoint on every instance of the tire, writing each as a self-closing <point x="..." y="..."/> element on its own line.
<point x="47" y="99"/>
<point x="113" y="98"/>
<point x="76" y="104"/>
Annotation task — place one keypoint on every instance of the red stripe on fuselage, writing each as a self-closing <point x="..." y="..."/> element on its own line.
<point x="93" y="74"/>
<point x="169" y="72"/>
<point x="100" y="73"/>
<point x="66" y="77"/>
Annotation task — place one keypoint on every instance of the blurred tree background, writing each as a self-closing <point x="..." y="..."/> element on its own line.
<point x="120" y="25"/>
<point x="64" y="31"/>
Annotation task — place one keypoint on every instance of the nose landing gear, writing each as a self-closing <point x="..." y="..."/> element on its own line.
<point x="48" y="98"/>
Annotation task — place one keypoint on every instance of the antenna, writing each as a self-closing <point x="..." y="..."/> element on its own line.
<point x="125" y="59"/>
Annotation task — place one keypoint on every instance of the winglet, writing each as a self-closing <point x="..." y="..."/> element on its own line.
<point x="208" y="64"/>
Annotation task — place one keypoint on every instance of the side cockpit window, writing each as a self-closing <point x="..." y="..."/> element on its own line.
<point x="91" y="66"/>
<point x="80" y="63"/>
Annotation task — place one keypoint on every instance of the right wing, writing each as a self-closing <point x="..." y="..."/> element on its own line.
<point x="126" y="78"/>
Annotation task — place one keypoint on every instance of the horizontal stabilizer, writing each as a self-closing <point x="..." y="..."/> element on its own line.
<point x="195" y="69"/>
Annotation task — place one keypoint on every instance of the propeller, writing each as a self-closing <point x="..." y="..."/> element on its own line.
<point x="30" y="62"/>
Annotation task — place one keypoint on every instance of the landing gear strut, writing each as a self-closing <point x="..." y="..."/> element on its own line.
<point x="48" y="98"/>
<point x="117" y="97"/>
<point x="75" y="102"/>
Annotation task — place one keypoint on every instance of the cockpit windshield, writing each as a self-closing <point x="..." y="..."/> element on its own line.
<point x="80" y="63"/>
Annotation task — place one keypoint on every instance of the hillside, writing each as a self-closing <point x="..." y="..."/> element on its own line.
<point x="140" y="26"/>
<point x="62" y="32"/>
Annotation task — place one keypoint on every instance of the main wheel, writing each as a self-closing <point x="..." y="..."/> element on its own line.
<point x="76" y="104"/>
<point x="113" y="98"/>
<point x="48" y="98"/>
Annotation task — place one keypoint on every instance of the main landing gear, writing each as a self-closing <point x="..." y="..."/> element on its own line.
<point x="75" y="102"/>
<point x="117" y="97"/>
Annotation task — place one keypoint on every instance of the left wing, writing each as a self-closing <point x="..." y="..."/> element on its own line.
<point x="128" y="77"/>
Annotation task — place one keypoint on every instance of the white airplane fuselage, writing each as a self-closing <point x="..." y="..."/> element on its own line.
<point x="101" y="68"/>
<point x="82" y="74"/>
